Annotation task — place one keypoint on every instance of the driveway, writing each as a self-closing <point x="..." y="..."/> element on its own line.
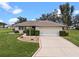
<point x="56" y="47"/>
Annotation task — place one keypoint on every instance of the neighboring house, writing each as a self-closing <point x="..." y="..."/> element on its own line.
<point x="2" y="25"/>
<point x="46" y="28"/>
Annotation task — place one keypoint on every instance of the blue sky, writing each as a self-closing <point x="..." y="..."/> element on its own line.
<point x="9" y="11"/>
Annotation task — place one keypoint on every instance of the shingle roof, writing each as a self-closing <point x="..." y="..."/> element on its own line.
<point x="39" y="23"/>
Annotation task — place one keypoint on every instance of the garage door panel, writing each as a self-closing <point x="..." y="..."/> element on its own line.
<point x="49" y="32"/>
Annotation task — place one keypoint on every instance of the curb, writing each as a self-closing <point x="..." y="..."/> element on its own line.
<point x="40" y="46"/>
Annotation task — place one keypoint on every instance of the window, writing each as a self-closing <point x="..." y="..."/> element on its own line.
<point x="20" y="28"/>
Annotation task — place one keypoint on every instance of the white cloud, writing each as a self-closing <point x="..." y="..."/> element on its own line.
<point x="13" y="20"/>
<point x="59" y="12"/>
<point x="76" y="12"/>
<point x="17" y="11"/>
<point x="33" y="19"/>
<point x="5" y="5"/>
<point x="1" y="20"/>
<point x="11" y="9"/>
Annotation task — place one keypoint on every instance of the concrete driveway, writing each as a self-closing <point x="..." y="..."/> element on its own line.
<point x="56" y="47"/>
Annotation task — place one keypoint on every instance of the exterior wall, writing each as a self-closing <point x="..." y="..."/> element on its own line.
<point x="22" y="29"/>
<point x="40" y="28"/>
<point x="17" y="28"/>
<point x="48" y="28"/>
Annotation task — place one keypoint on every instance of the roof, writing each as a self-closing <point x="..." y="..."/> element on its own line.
<point x="39" y="23"/>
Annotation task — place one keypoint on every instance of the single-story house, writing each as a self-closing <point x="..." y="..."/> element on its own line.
<point x="2" y="25"/>
<point x="46" y="28"/>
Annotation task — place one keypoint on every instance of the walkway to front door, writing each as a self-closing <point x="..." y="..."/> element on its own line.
<point x="56" y="47"/>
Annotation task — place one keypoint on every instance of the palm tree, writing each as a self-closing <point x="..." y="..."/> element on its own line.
<point x="66" y="12"/>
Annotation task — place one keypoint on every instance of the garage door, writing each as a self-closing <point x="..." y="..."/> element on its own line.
<point x="49" y="32"/>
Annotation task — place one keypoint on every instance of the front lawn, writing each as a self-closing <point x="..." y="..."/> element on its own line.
<point x="73" y="36"/>
<point x="11" y="47"/>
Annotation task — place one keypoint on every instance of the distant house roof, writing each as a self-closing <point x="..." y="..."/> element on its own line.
<point x="1" y="23"/>
<point x="39" y="23"/>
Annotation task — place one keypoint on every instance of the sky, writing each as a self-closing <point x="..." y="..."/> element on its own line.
<point x="9" y="11"/>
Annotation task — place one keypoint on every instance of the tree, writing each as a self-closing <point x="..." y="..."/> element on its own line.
<point x="53" y="16"/>
<point x="21" y="19"/>
<point x="44" y="17"/>
<point x="66" y="12"/>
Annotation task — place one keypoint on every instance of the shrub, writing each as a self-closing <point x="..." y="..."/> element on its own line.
<point x="77" y="28"/>
<point x="33" y="32"/>
<point x="63" y="33"/>
<point x="13" y="29"/>
<point x="37" y="32"/>
<point x="16" y="31"/>
<point x="26" y="31"/>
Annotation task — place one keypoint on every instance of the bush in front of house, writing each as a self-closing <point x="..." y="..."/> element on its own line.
<point x="63" y="33"/>
<point x="31" y="32"/>
<point x="26" y="31"/>
<point x="16" y="31"/>
<point x="77" y="28"/>
<point x="37" y="33"/>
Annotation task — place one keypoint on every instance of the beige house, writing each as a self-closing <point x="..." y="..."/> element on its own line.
<point x="46" y="28"/>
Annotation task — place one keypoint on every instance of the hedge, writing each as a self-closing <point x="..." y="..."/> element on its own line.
<point x="32" y="32"/>
<point x="77" y="28"/>
<point x="63" y="33"/>
<point x="37" y="33"/>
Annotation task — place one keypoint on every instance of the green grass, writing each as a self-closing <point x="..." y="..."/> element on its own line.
<point x="5" y="30"/>
<point x="73" y="36"/>
<point x="11" y="47"/>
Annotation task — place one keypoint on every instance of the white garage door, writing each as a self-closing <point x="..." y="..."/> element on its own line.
<point x="49" y="31"/>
